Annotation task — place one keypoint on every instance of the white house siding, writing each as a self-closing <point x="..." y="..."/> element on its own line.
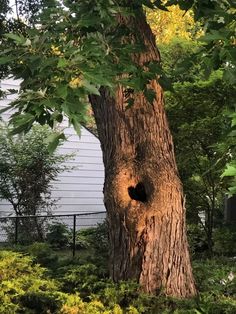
<point x="79" y="190"/>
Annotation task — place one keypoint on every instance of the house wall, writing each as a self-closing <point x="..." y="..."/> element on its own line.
<point x="78" y="190"/>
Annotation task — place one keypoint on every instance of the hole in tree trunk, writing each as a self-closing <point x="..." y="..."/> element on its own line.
<point x="138" y="192"/>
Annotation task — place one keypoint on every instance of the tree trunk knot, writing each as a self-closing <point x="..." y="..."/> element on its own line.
<point x="138" y="192"/>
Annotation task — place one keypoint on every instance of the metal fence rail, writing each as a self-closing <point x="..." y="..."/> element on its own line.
<point x="26" y="230"/>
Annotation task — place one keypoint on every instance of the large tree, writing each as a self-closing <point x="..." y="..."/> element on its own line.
<point x="106" y="51"/>
<point x="142" y="191"/>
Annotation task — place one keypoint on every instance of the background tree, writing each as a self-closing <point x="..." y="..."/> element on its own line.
<point x="197" y="112"/>
<point x="217" y="18"/>
<point x="27" y="171"/>
<point x="172" y="23"/>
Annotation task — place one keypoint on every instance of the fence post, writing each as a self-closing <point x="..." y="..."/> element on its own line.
<point x="74" y="235"/>
<point x="16" y="229"/>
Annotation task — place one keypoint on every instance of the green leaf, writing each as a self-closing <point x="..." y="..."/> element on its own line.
<point x="90" y="88"/>
<point x="233" y="121"/>
<point x="130" y="102"/>
<point x="57" y="116"/>
<point x="19" y="39"/>
<point x="212" y="36"/>
<point x="155" y="68"/>
<point x="76" y="124"/>
<point x="150" y="95"/>
<point x="5" y="109"/>
<point x="62" y="91"/>
<point x="6" y="59"/>
<point x="97" y="79"/>
<point x="166" y="83"/>
<point x="53" y="141"/>
<point x="62" y="63"/>
<point x="183" y="4"/>
<point x="148" y="3"/>
<point x="232" y="190"/>
<point x="21" y="122"/>
<point x="230" y="171"/>
<point x="229" y="76"/>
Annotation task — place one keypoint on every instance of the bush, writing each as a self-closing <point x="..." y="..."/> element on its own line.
<point x="42" y="302"/>
<point x="224" y="239"/>
<point x="92" y="248"/>
<point x="29" y="229"/>
<point x="42" y="254"/>
<point x="83" y="279"/>
<point x="128" y="295"/>
<point x="211" y="303"/>
<point x="97" y="238"/>
<point x="25" y="287"/>
<point x="21" y="278"/>
<point x="197" y="240"/>
<point x="216" y="275"/>
<point x="58" y="235"/>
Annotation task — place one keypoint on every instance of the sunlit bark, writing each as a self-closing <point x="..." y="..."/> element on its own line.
<point x="142" y="192"/>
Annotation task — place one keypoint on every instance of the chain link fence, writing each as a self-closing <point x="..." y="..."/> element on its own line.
<point x="58" y="230"/>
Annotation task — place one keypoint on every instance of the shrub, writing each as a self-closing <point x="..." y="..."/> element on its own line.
<point x="42" y="302"/>
<point x="25" y="287"/>
<point x="216" y="275"/>
<point x="20" y="279"/>
<point x="74" y="305"/>
<point x="58" y="235"/>
<point x="197" y="239"/>
<point x="42" y="254"/>
<point x="97" y="238"/>
<point x="224" y="239"/>
<point x="83" y="279"/>
<point x="211" y="303"/>
<point x="96" y="242"/>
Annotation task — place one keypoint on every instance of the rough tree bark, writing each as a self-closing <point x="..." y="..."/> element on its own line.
<point x="142" y="190"/>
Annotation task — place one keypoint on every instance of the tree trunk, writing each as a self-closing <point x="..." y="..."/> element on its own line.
<point x="142" y="190"/>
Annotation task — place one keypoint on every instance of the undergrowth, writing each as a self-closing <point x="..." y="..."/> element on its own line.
<point x="38" y="279"/>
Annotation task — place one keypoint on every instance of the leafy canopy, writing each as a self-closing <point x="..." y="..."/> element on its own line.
<point x="66" y="50"/>
<point x="65" y="53"/>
